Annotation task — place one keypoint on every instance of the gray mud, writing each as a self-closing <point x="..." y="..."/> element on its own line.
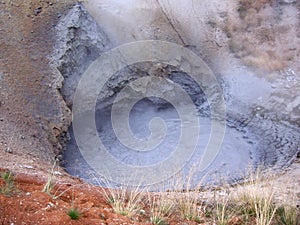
<point x="263" y="119"/>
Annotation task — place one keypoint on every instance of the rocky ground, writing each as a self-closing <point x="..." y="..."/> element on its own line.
<point x="34" y="118"/>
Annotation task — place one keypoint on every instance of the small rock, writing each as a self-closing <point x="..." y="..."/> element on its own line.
<point x="50" y="205"/>
<point x="37" y="11"/>
<point x="57" y="173"/>
<point x="8" y="150"/>
<point x="258" y="108"/>
<point x="28" y="167"/>
<point x="102" y="216"/>
<point x="27" y="194"/>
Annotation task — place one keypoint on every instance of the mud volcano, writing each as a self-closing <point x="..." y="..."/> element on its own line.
<point x="258" y="132"/>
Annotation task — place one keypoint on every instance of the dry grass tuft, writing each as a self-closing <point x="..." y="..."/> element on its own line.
<point x="8" y="186"/>
<point x="287" y="215"/>
<point x="125" y="200"/>
<point x="190" y="206"/>
<point x="161" y="207"/>
<point x="249" y="203"/>
<point x="257" y="198"/>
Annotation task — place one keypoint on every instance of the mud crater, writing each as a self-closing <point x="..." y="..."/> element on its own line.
<point x="254" y="136"/>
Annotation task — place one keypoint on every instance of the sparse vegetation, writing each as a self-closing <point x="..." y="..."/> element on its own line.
<point x="49" y="184"/>
<point x="245" y="5"/>
<point x="249" y="203"/>
<point x="257" y="198"/>
<point x="52" y="188"/>
<point x="187" y="204"/>
<point x="286" y="215"/>
<point x="124" y="200"/>
<point x="222" y="211"/>
<point x="161" y="207"/>
<point x="190" y="207"/>
<point x="8" y="186"/>
<point x="157" y="220"/>
<point x="256" y="49"/>
<point x="74" y="213"/>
